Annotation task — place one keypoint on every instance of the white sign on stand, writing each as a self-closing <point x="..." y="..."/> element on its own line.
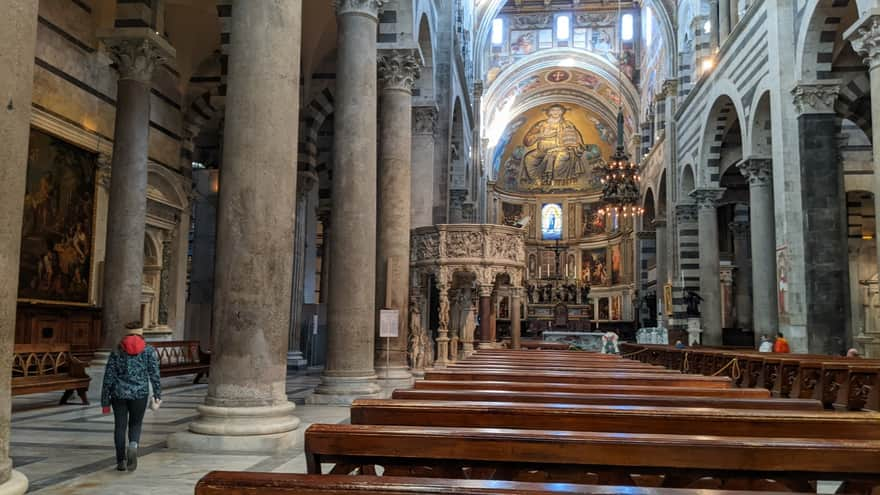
<point x="389" y="321"/>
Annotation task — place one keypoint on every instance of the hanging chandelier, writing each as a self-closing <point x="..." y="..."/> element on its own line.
<point x="620" y="176"/>
<point x="620" y="180"/>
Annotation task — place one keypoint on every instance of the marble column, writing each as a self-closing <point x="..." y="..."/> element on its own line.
<point x="18" y="34"/>
<point x="305" y="181"/>
<point x="398" y="71"/>
<point x="765" y="317"/>
<point x="661" y="267"/>
<point x="710" y="266"/>
<point x="826" y="271"/>
<point x="723" y="21"/>
<point x="136" y="57"/>
<point x="743" y="277"/>
<point x="515" y="317"/>
<point x="351" y="304"/>
<point x="485" y="313"/>
<point x="423" y="180"/>
<point x="865" y="39"/>
<point x="246" y="409"/>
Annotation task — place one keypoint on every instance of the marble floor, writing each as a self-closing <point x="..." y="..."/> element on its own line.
<point x="69" y="449"/>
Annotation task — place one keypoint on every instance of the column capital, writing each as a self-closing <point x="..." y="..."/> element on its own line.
<point x="816" y="96"/>
<point x="138" y="57"/>
<point x="670" y="88"/>
<point x="740" y="230"/>
<point x="486" y="290"/>
<point x="758" y="171"/>
<point x="424" y="120"/>
<point x="398" y="69"/>
<point x="864" y="36"/>
<point x="707" y="197"/>
<point x="658" y="223"/>
<point x="370" y="8"/>
<point x="685" y="213"/>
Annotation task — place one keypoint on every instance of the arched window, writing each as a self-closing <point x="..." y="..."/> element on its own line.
<point x="563" y="27"/>
<point x="649" y="26"/>
<point x="626" y="27"/>
<point x="498" y="31"/>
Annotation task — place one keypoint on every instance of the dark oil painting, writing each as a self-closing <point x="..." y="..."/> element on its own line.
<point x="58" y="226"/>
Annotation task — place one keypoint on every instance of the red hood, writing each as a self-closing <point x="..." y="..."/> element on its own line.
<point x="133" y="345"/>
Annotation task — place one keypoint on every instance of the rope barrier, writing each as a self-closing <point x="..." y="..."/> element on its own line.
<point x="635" y="353"/>
<point x="686" y="365"/>
<point x="736" y="373"/>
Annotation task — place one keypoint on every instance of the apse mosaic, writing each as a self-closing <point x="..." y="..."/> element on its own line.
<point x="551" y="149"/>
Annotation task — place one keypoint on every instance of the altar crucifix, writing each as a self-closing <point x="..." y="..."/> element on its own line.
<point x="557" y="249"/>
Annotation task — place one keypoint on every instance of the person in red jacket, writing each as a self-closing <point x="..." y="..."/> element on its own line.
<point x="781" y="345"/>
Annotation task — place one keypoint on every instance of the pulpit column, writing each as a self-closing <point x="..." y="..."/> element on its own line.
<point x="710" y="265"/>
<point x="18" y="35"/>
<point x="443" y="329"/>
<point x="246" y="409"/>
<point x="515" y="317"/>
<point x="485" y="313"/>
<point x="351" y="303"/>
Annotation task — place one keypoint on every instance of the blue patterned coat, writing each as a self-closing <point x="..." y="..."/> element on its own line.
<point x="127" y="376"/>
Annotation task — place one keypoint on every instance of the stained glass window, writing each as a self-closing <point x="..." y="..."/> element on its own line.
<point x="551" y="221"/>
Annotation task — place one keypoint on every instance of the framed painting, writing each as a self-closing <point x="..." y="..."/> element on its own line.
<point x="57" y="239"/>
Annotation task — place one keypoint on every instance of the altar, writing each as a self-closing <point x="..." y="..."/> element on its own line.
<point x="585" y="341"/>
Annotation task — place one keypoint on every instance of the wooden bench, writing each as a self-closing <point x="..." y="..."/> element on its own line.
<point x="585" y="368"/>
<point x="38" y="368"/>
<point x="752" y="393"/>
<point x="609" y="378"/>
<point x="624" y="419"/>
<point x="182" y="357"/>
<point x="540" y="344"/>
<point x="683" y="461"/>
<point x="246" y="483"/>
<point x="608" y="399"/>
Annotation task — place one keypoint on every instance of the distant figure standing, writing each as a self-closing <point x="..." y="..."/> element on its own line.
<point x="766" y="344"/>
<point x="679" y="344"/>
<point x="781" y="345"/>
<point x="132" y="367"/>
<point x="853" y="354"/>
<point x="609" y="343"/>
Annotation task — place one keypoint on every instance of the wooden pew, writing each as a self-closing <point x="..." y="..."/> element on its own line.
<point x="609" y="399"/>
<point x="246" y="483"/>
<point x="586" y="368"/>
<point x="182" y="357"/>
<point x="624" y="419"/>
<point x="38" y="368"/>
<point x="611" y="378"/>
<point x="591" y="457"/>
<point x="752" y="393"/>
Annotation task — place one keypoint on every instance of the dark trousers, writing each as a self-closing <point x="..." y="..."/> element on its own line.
<point x="129" y="414"/>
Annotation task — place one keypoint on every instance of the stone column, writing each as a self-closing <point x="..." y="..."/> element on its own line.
<point x="865" y="38"/>
<point x="18" y="34"/>
<point x="305" y="181"/>
<point x="351" y="303"/>
<point x="714" y="39"/>
<point x="326" y="239"/>
<point x="765" y="316"/>
<point x="824" y="208"/>
<point x="424" y="125"/>
<point x="442" y="357"/>
<point x="485" y="313"/>
<point x="246" y="409"/>
<point x="661" y="268"/>
<point x="710" y="266"/>
<point x="743" y="277"/>
<point x="398" y="71"/>
<point x="723" y="21"/>
<point x="136" y="57"/>
<point x="515" y="318"/>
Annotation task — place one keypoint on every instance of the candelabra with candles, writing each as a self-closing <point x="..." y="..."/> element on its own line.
<point x="620" y="180"/>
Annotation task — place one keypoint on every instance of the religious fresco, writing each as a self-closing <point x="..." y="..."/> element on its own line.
<point x="594" y="268"/>
<point x="511" y="214"/>
<point x="556" y="150"/>
<point x="551" y="222"/>
<point x="58" y="223"/>
<point x="616" y="265"/>
<point x="593" y="221"/>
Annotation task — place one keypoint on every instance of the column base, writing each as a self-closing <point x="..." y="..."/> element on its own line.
<point x="489" y="345"/>
<point x="394" y="377"/>
<point x="296" y="361"/>
<point x="343" y="390"/>
<point x="262" y="429"/>
<point x="96" y="373"/>
<point x="17" y="484"/>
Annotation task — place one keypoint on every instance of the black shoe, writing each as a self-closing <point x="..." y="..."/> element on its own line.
<point x="120" y="466"/>
<point x="131" y="458"/>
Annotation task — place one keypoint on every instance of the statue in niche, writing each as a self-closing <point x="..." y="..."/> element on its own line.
<point x="421" y="349"/>
<point x="557" y="154"/>
<point x="692" y="300"/>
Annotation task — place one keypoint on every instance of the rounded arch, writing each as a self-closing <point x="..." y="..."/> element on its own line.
<point x="661" y="196"/>
<point x="648" y="204"/>
<point x="722" y="127"/>
<point x="426" y="40"/>
<point x="820" y="36"/>
<point x="688" y="183"/>
<point x="761" y="133"/>
<point x="166" y="186"/>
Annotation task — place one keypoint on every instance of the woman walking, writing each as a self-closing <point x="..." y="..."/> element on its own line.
<point x="131" y="368"/>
